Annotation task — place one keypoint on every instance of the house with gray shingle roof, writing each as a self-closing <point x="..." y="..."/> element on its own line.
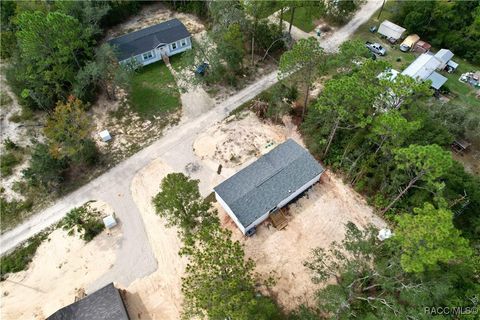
<point x="149" y="45"/>
<point x="103" y="304"/>
<point x="268" y="184"/>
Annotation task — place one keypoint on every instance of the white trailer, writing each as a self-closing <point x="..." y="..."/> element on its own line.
<point x="391" y="30"/>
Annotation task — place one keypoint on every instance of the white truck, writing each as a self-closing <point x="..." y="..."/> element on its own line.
<point x="376" y="48"/>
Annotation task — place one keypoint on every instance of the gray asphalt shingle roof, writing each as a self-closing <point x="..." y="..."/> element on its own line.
<point x="259" y="187"/>
<point x="104" y="304"/>
<point x="147" y="39"/>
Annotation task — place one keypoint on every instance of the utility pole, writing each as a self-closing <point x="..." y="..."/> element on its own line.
<point x="381" y="10"/>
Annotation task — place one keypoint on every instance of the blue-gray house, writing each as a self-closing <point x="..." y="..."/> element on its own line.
<point x="151" y="44"/>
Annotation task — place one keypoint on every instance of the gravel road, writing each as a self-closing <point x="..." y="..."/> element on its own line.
<point x="135" y="258"/>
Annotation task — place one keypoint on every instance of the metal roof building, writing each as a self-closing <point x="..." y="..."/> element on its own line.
<point x="103" y="304"/>
<point x="444" y="56"/>
<point x="437" y="80"/>
<point x="268" y="184"/>
<point x="391" y="30"/>
<point x="423" y="68"/>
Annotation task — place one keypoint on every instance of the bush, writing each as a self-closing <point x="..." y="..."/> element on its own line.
<point x="19" y="259"/>
<point x="44" y="170"/>
<point x="83" y="220"/>
<point x="5" y="99"/>
<point x="10" y="145"/>
<point x="8" y="161"/>
<point x="11" y="211"/>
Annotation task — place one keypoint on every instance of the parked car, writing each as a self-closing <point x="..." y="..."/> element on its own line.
<point x="409" y="42"/>
<point x="376" y="48"/>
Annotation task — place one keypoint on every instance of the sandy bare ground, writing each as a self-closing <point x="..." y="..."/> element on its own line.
<point x="158" y="295"/>
<point x="315" y="220"/>
<point x="153" y="14"/>
<point x="19" y="133"/>
<point x="234" y="142"/>
<point x="62" y="265"/>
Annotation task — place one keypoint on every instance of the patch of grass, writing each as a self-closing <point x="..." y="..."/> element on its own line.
<point x="270" y="8"/>
<point x="211" y="198"/>
<point x="11" y="212"/>
<point x="184" y="60"/>
<point x="154" y="91"/>
<point x="20" y="258"/>
<point x="5" y="99"/>
<point x="25" y="115"/>
<point x="304" y="17"/>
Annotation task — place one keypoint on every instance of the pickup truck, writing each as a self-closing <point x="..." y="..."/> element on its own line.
<point x="376" y="48"/>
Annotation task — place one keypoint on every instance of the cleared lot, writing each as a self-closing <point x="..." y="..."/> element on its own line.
<point x="317" y="219"/>
<point x="62" y="266"/>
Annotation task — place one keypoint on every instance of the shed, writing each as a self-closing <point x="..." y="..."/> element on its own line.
<point x="443" y="56"/>
<point x="109" y="221"/>
<point x="422" y="47"/>
<point x="391" y="30"/>
<point x="105" y="136"/>
<point x="103" y="304"/>
<point x="268" y="184"/>
<point x="460" y="145"/>
<point x="151" y="44"/>
<point x="451" y="66"/>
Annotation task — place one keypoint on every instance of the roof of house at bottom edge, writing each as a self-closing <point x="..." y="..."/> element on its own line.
<point x="103" y="304"/>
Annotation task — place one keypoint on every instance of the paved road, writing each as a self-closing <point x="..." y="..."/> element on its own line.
<point x="135" y="258"/>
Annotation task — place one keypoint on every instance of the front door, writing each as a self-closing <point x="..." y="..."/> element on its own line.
<point x="163" y="50"/>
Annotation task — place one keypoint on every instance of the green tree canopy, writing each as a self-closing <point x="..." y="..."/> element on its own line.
<point x="425" y="164"/>
<point x="391" y="129"/>
<point x="181" y="204"/>
<point x="428" y="237"/>
<point x="52" y="48"/>
<point x="307" y="57"/>
<point x="68" y="131"/>
<point x="219" y="282"/>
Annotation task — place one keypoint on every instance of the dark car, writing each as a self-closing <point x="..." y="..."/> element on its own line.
<point x="201" y="69"/>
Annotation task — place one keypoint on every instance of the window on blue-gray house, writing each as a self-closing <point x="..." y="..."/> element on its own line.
<point x="174" y="46"/>
<point x="183" y="42"/>
<point x="148" y="55"/>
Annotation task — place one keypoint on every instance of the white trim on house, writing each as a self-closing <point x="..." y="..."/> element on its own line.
<point x="230" y="212"/>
